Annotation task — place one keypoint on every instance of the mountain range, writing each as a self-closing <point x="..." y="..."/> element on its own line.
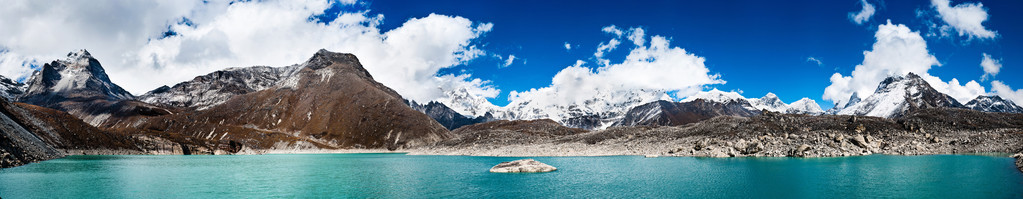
<point x="332" y="102"/>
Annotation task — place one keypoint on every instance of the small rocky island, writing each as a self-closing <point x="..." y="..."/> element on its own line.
<point x="522" y="166"/>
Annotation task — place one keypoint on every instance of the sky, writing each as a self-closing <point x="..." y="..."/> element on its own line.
<point x="556" y="52"/>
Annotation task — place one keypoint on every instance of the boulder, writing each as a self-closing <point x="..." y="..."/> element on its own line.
<point x="522" y="166"/>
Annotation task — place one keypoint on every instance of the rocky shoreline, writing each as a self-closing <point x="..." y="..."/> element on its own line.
<point x="925" y="132"/>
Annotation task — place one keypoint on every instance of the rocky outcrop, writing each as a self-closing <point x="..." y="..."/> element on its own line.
<point x="522" y="166"/>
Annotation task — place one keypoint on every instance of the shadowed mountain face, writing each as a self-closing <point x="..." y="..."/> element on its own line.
<point x="330" y="101"/>
<point x="665" y="113"/>
<point x="32" y="133"/>
<point x="448" y="117"/>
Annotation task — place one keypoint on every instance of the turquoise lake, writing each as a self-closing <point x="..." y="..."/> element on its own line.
<point x="404" y="176"/>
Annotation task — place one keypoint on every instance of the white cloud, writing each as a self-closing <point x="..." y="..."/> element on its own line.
<point x="647" y="73"/>
<point x="605" y="47"/>
<point x="14" y="63"/>
<point x="1004" y="91"/>
<point x="815" y="61"/>
<point x="509" y="61"/>
<point x="864" y="15"/>
<point x="48" y="30"/>
<point x="637" y="36"/>
<point x="568" y="46"/>
<point x="965" y="18"/>
<point x="240" y="34"/>
<point x="614" y="30"/>
<point x="897" y="51"/>
<point x="991" y="66"/>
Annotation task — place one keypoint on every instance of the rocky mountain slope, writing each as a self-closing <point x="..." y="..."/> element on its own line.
<point x="665" y="113"/>
<point x="993" y="104"/>
<point x="217" y="87"/>
<point x="897" y="95"/>
<point x="33" y="133"/>
<point x="509" y="132"/>
<point x="328" y="102"/>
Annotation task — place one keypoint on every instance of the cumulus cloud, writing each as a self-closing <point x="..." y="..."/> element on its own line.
<point x="148" y="44"/>
<point x="864" y="14"/>
<point x="1004" y="91"/>
<point x="568" y="46"/>
<point x="965" y="18"/>
<point x="991" y="66"/>
<point x="47" y="30"/>
<point x="897" y="51"/>
<point x="647" y="73"/>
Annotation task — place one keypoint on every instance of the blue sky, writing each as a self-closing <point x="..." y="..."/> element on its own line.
<point x="428" y="50"/>
<point x="756" y="46"/>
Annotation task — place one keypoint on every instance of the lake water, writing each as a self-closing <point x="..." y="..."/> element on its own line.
<point x="403" y="176"/>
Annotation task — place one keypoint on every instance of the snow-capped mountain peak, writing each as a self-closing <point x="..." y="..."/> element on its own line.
<point x="716" y="95"/>
<point x="78" y="74"/>
<point x="993" y="104"/>
<point x="805" y="106"/>
<point x="769" y="102"/>
<point x="897" y="95"/>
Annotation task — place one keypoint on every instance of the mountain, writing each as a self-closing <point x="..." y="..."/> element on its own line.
<point x="10" y="89"/>
<point x="447" y="117"/>
<point x="993" y="104"/>
<point x="805" y="106"/>
<point x="18" y="145"/>
<point x="77" y="76"/>
<point x="215" y="88"/>
<point x="769" y="102"/>
<point x="328" y="102"/>
<point x="598" y="112"/>
<point x="80" y="86"/>
<point x="853" y="99"/>
<point x="898" y="95"/>
<point x="33" y="133"/>
<point x="666" y="113"/>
